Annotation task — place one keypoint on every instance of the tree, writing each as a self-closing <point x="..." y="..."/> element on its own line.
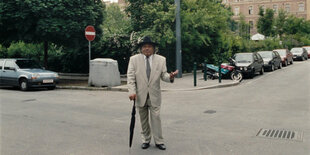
<point x="279" y="23"/>
<point x="42" y="21"/>
<point x="244" y="28"/>
<point x="265" y="23"/>
<point x="116" y="42"/>
<point x="202" y="23"/>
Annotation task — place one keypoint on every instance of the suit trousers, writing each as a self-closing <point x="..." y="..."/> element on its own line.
<point x="152" y="127"/>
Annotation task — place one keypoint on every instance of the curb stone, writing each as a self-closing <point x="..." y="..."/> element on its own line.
<point x="125" y="89"/>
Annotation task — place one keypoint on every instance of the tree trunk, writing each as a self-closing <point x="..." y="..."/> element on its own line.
<point x="45" y="53"/>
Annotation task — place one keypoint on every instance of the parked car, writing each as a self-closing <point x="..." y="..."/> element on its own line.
<point x="299" y="53"/>
<point x="272" y="60"/>
<point x="308" y="50"/>
<point x="286" y="56"/>
<point x="249" y="63"/>
<point x="26" y="73"/>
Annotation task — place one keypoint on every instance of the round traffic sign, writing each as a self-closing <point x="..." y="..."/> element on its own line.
<point x="90" y="33"/>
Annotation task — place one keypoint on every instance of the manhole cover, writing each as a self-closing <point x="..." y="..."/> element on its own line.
<point x="210" y="112"/>
<point x="280" y="134"/>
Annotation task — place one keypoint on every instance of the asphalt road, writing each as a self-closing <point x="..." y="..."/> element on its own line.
<point x="220" y="121"/>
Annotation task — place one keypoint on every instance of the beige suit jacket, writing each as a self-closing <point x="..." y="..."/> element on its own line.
<point x="139" y="84"/>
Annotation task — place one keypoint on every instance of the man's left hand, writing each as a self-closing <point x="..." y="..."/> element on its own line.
<point x="173" y="74"/>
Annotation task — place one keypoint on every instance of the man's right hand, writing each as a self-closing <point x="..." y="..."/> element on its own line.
<point x="132" y="97"/>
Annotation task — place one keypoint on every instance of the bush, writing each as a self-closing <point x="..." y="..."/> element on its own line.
<point x="3" y="52"/>
<point x="23" y="50"/>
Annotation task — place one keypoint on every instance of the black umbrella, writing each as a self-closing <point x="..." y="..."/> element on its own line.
<point x="132" y="122"/>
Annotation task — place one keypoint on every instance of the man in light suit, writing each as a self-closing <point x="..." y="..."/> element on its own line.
<point x="143" y="78"/>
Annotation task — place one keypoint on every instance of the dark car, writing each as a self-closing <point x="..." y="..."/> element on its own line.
<point x="249" y="63"/>
<point x="272" y="60"/>
<point x="286" y="56"/>
<point x="308" y="50"/>
<point x="26" y="73"/>
<point x="299" y="53"/>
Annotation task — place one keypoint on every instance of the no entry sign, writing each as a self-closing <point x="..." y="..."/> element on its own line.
<point x="90" y="33"/>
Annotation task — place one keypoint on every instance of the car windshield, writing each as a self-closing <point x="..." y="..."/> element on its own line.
<point x="296" y="50"/>
<point x="25" y="64"/>
<point x="244" y="57"/>
<point x="281" y="52"/>
<point x="266" y="54"/>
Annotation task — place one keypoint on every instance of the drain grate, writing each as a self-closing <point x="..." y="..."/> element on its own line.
<point x="280" y="134"/>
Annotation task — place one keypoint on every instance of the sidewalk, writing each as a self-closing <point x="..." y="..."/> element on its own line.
<point x="186" y="83"/>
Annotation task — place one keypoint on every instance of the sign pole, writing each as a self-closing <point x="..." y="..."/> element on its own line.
<point x="90" y="35"/>
<point x="89" y="53"/>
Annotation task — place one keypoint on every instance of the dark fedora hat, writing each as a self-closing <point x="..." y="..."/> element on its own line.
<point x="147" y="40"/>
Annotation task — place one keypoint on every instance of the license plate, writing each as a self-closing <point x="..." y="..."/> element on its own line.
<point x="48" y="81"/>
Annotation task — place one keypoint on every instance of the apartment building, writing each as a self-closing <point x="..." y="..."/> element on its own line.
<point x="250" y="9"/>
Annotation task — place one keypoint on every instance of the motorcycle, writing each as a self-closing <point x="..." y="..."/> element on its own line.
<point x="228" y="70"/>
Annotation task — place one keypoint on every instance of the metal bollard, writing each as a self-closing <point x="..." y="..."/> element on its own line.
<point x="220" y="73"/>
<point x="205" y="71"/>
<point x="195" y="74"/>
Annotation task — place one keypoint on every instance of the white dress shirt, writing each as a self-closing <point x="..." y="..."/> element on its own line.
<point x="150" y="60"/>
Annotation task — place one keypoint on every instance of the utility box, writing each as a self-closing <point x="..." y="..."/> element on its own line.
<point x="104" y="72"/>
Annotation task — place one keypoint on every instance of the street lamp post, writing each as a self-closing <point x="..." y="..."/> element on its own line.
<point x="178" y="39"/>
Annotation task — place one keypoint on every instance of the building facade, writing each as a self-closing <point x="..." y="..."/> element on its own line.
<point x="121" y="3"/>
<point x="250" y="9"/>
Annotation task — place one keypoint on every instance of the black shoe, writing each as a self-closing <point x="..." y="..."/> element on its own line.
<point x="161" y="146"/>
<point x="145" y="145"/>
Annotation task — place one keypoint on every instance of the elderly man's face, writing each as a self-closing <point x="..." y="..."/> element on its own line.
<point x="147" y="49"/>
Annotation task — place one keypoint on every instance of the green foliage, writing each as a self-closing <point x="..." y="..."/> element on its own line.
<point x="3" y="52"/>
<point x="23" y="50"/>
<point x="116" y="21"/>
<point x="279" y="23"/>
<point x="203" y="24"/>
<point x="244" y="28"/>
<point x="294" y="25"/>
<point x="265" y="45"/>
<point x="265" y="23"/>
<point x="116" y="42"/>
<point x="58" y="21"/>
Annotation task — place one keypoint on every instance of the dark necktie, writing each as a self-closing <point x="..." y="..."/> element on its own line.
<point x="148" y="68"/>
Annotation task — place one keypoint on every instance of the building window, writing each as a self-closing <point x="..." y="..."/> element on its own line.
<point x="287" y="7"/>
<point x="236" y="11"/>
<point x="301" y="7"/>
<point x="275" y="8"/>
<point x="237" y="0"/>
<point x="250" y="10"/>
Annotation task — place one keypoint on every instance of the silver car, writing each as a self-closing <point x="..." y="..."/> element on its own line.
<point x="26" y="73"/>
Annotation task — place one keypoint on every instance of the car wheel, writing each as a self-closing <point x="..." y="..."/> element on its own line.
<point x="302" y="58"/>
<point x="51" y="87"/>
<point x="285" y="63"/>
<point x="23" y="84"/>
<point x="261" y="71"/>
<point x="292" y="62"/>
<point x="236" y="76"/>
<point x="280" y="65"/>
